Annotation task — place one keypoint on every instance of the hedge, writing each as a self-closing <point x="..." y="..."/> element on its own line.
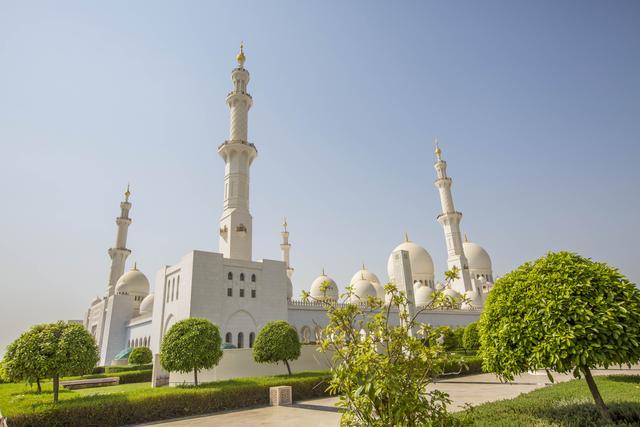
<point x="125" y="368"/>
<point x="127" y="377"/>
<point x="466" y="365"/>
<point x="160" y="404"/>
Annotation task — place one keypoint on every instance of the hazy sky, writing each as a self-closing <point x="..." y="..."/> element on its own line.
<point x="536" y="105"/>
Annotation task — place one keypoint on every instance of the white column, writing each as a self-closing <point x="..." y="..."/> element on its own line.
<point x="119" y="253"/>
<point x="450" y="221"/>
<point x="404" y="281"/>
<point x="238" y="154"/>
<point x="285" y="246"/>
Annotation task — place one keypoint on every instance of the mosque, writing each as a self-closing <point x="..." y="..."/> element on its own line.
<point x="240" y="294"/>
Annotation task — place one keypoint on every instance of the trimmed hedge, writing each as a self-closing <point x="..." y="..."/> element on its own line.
<point x="126" y="368"/>
<point x="127" y="377"/>
<point x="467" y="365"/>
<point x="160" y="404"/>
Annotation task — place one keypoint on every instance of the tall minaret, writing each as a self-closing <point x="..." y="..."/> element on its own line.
<point x="286" y="247"/>
<point x="238" y="154"/>
<point x="119" y="252"/>
<point x="450" y="221"/>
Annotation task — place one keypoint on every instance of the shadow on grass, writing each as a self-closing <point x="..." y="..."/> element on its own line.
<point x="586" y="414"/>
<point x="633" y="379"/>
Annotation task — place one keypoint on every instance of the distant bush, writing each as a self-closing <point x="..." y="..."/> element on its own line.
<point x="466" y="365"/>
<point x="140" y="356"/>
<point x="471" y="337"/>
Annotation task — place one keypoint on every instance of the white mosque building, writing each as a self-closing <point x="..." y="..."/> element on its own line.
<point x="240" y="294"/>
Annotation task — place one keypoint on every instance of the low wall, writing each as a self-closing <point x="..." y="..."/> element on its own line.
<point x="239" y="363"/>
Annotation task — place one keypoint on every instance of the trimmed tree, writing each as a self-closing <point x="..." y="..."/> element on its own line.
<point x="564" y="313"/>
<point x="191" y="345"/>
<point x="277" y="342"/>
<point x="23" y="360"/>
<point x="471" y="337"/>
<point x="140" y="356"/>
<point x="66" y="349"/>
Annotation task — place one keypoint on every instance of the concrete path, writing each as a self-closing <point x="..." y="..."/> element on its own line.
<point x="472" y="389"/>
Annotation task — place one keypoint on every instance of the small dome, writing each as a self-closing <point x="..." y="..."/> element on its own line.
<point x="477" y="257"/>
<point x="133" y="282"/>
<point x="423" y="295"/>
<point x="421" y="262"/>
<point x="362" y="290"/>
<point x="369" y="276"/>
<point x="146" y="306"/>
<point x="331" y="291"/>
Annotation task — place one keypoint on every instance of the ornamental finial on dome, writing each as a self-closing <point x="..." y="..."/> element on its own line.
<point x="127" y="194"/>
<point x="241" y="58"/>
<point x="135" y="266"/>
<point x="284" y="224"/>
<point x="323" y="272"/>
<point x="406" y="237"/>
<point x="438" y="151"/>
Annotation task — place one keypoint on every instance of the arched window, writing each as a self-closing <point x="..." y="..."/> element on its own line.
<point x="240" y="340"/>
<point x="230" y="276"/>
<point x="242" y="277"/>
<point x="253" y="278"/>
<point x="306" y="334"/>
<point x="252" y="338"/>
<point x="227" y="338"/>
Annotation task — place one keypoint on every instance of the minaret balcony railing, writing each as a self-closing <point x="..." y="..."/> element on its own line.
<point x="237" y="141"/>
<point x="456" y="213"/>
<point x="238" y="93"/>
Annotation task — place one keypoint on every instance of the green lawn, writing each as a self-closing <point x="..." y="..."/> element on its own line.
<point x="566" y="404"/>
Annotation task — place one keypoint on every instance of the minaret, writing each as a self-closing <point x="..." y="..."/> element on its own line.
<point x="238" y="154"/>
<point x="286" y="247"/>
<point x="450" y="221"/>
<point x="119" y="252"/>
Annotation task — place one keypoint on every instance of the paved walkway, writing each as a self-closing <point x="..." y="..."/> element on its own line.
<point x="472" y="389"/>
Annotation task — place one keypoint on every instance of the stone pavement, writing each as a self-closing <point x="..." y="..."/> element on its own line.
<point x="471" y="389"/>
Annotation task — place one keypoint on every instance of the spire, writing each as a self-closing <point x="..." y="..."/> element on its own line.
<point x="323" y="272"/>
<point x="406" y="237"/>
<point x="437" y="151"/>
<point x="127" y="194"/>
<point x="284" y="224"/>
<point x="241" y="58"/>
<point x="135" y="266"/>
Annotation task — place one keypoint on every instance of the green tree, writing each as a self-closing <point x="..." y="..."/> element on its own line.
<point x="277" y="342"/>
<point x="380" y="365"/>
<point x="191" y="345"/>
<point x="66" y="349"/>
<point x="471" y="337"/>
<point x="564" y="313"/>
<point x="140" y="356"/>
<point x="23" y="360"/>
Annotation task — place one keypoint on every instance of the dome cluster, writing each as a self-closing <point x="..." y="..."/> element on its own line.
<point x="133" y="282"/>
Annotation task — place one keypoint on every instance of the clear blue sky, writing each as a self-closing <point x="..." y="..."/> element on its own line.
<point x="536" y="104"/>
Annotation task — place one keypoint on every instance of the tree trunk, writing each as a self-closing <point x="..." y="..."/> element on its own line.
<point x="56" y="385"/>
<point x="593" y="388"/>
<point x="39" y="386"/>
<point x="286" y="362"/>
<point x="195" y="377"/>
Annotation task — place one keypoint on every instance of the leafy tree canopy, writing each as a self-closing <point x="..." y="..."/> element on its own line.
<point x="564" y="313"/>
<point x="23" y="360"/>
<point x="277" y="342"/>
<point x="140" y="356"/>
<point x="191" y="345"/>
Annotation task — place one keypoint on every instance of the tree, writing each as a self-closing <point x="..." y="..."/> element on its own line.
<point x="191" y="345"/>
<point x="380" y="365"/>
<point x="140" y="356"/>
<point x="471" y="337"/>
<point x="66" y="349"/>
<point x="277" y="342"/>
<point x="23" y="360"/>
<point x="561" y="312"/>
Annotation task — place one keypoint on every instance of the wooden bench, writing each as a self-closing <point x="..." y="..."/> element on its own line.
<point x="90" y="382"/>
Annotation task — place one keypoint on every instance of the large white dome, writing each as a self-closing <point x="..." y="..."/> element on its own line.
<point x="362" y="290"/>
<point x="421" y="262"/>
<point x="133" y="282"/>
<point x="477" y="257"/>
<point x="331" y="292"/>
<point x="146" y="306"/>
<point x="369" y="276"/>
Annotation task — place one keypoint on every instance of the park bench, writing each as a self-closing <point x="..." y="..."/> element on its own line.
<point x="90" y="382"/>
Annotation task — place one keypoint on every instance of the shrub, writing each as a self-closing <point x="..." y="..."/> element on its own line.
<point x="25" y="358"/>
<point x="564" y="313"/>
<point x="191" y="345"/>
<point x="140" y="356"/>
<point x="459" y="334"/>
<point x="471" y="337"/>
<point x="125" y="368"/>
<point x="126" y="377"/>
<point x="99" y="370"/>
<point x="277" y="342"/>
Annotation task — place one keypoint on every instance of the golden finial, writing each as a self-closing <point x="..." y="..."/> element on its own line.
<point x="135" y="266"/>
<point x="241" y="58"/>
<point x="438" y="151"/>
<point x="406" y="237"/>
<point x="363" y="267"/>
<point x="127" y="194"/>
<point x="284" y="224"/>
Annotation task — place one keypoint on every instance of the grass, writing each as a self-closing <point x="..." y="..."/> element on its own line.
<point x="20" y="399"/>
<point x="566" y="404"/>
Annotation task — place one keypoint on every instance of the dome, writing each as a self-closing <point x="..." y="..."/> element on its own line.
<point x="362" y="290"/>
<point x="331" y="291"/>
<point x="477" y="257"/>
<point x="133" y="282"/>
<point x="475" y="300"/>
<point x="369" y="276"/>
<point x="421" y="262"/>
<point x="146" y="306"/>
<point x="423" y="295"/>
